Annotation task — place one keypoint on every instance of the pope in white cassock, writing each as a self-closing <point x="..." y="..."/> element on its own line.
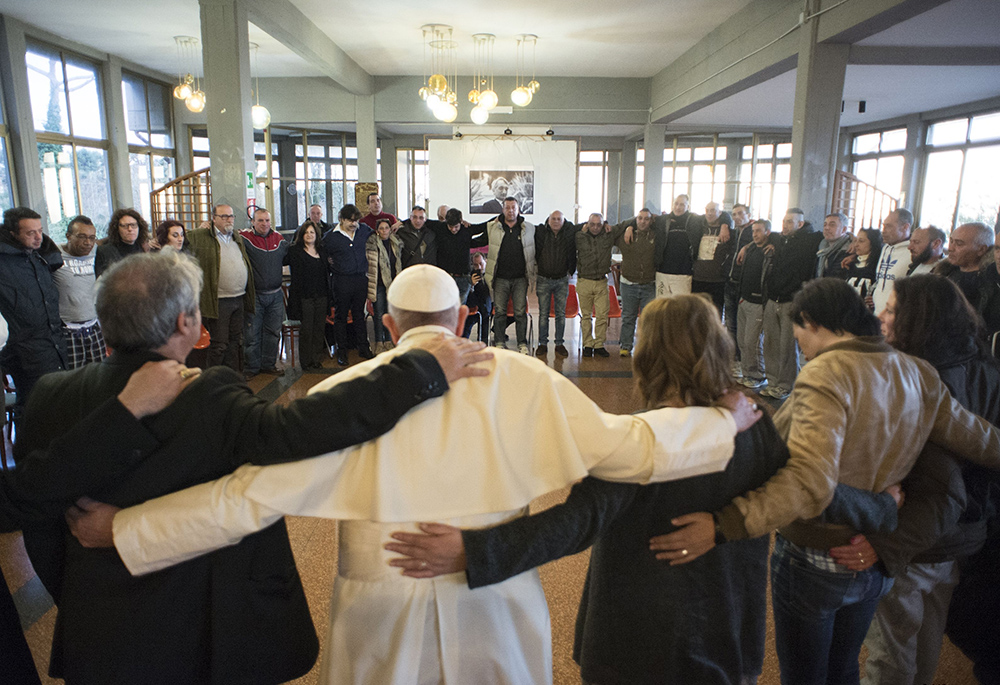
<point x="538" y="433"/>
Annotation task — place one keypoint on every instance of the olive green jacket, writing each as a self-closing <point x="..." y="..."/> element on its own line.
<point x="205" y="248"/>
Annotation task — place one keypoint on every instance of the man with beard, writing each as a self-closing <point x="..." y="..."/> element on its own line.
<point x="926" y="248"/>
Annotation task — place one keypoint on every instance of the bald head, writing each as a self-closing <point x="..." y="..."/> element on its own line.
<point x="556" y="221"/>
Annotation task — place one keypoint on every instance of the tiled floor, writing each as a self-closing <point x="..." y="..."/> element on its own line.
<point x="607" y="381"/>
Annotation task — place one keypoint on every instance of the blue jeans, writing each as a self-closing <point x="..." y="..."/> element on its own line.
<point x="264" y="332"/>
<point x="820" y="617"/>
<point x="515" y="289"/>
<point x="547" y="287"/>
<point x="635" y="296"/>
<point x="380" y="306"/>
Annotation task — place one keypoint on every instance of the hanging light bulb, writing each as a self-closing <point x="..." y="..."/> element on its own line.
<point x="534" y="86"/>
<point x="433" y="100"/>
<point x="488" y="99"/>
<point x="446" y="112"/>
<point x="437" y="83"/>
<point x="196" y="101"/>
<point x="260" y="117"/>
<point x="424" y="92"/>
<point x="480" y="115"/>
<point x="183" y="91"/>
<point x="520" y="96"/>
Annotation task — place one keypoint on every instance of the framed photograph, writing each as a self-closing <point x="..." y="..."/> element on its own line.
<point x="489" y="187"/>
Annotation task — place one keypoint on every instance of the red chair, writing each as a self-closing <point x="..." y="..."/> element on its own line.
<point x="204" y="340"/>
<point x="572" y="308"/>
<point x="615" y="307"/>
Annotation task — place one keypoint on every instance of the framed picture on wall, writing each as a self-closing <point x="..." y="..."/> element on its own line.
<point x="489" y="187"/>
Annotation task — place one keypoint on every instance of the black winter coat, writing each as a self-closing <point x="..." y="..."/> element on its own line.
<point x="29" y="301"/>
<point x="237" y="615"/>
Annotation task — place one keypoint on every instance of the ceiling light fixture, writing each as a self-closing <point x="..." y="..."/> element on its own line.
<point x="439" y="93"/>
<point x="183" y="89"/>
<point x="259" y="116"/>
<point x="482" y="95"/>
<point x="523" y="91"/>
<point x="189" y="86"/>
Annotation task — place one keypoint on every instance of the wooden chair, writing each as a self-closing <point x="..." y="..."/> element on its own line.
<point x="289" y="329"/>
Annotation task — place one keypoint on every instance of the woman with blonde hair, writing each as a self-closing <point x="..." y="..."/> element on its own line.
<point x="643" y="620"/>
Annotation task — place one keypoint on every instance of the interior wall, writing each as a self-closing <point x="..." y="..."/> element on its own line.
<point x="554" y="164"/>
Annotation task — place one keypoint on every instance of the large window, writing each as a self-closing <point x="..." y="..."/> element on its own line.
<point x="960" y="180"/>
<point x="412" y="179"/>
<point x="68" y="113"/>
<point x="592" y="184"/>
<point x="149" y="129"/>
<point x="764" y="178"/>
<point x="326" y="169"/>
<point x="753" y="170"/>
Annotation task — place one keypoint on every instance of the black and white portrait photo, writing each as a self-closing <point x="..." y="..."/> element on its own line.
<point x="488" y="188"/>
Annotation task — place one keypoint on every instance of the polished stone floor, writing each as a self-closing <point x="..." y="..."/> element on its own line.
<point x="607" y="381"/>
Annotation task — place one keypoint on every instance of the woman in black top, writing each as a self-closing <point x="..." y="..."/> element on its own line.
<point x="861" y="274"/>
<point x="128" y="234"/>
<point x="308" y="295"/>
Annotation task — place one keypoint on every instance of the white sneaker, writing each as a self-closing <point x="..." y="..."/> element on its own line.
<point x="523" y="349"/>
<point x="737" y="371"/>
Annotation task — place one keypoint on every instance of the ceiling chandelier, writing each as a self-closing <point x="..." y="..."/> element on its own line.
<point x="482" y="94"/>
<point x="188" y="86"/>
<point x="439" y="91"/>
<point x="523" y="91"/>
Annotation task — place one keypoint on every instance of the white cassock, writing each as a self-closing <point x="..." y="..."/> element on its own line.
<point x="474" y="457"/>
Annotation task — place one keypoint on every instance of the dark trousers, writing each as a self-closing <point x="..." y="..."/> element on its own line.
<point x="312" y="342"/>
<point x="381" y="306"/>
<point x="16" y="663"/>
<point x="730" y="308"/>
<point x="350" y="292"/>
<point x="714" y="290"/>
<point x="227" y="334"/>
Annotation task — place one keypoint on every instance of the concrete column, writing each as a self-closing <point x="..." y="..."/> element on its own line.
<point x="388" y="146"/>
<point x="226" y="55"/>
<point x="614" y="186"/>
<point x="652" y="142"/>
<point x="733" y="152"/>
<point x="27" y="170"/>
<point x="364" y="113"/>
<point x="118" y="166"/>
<point x="916" y="134"/>
<point x="819" y="89"/>
<point x="626" y="198"/>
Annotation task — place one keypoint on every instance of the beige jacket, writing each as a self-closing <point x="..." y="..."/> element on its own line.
<point x="859" y="414"/>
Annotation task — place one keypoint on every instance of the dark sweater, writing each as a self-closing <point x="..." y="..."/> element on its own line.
<point x="347" y="257"/>
<point x="555" y="253"/>
<point x="640" y="618"/>
<point x="453" y="248"/>
<point x="510" y="258"/>
<point x="794" y="263"/>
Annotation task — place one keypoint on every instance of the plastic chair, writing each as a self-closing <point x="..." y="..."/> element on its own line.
<point x="204" y="340"/>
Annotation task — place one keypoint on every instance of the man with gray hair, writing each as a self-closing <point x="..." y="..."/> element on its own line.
<point x="236" y="616"/>
<point x="229" y="293"/>
<point x="539" y="433"/>
<point x="834" y="246"/>
<point x="970" y="255"/>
